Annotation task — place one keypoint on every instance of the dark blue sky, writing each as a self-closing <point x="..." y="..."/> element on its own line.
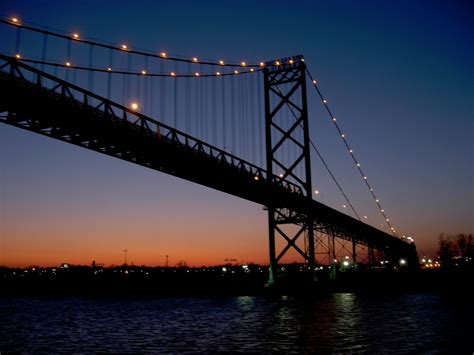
<point x="398" y="76"/>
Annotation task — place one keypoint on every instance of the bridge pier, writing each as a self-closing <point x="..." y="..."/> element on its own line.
<point x="286" y="126"/>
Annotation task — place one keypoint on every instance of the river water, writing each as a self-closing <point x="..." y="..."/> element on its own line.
<point x="339" y="323"/>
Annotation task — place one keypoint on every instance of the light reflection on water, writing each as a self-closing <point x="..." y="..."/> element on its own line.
<point x="410" y="323"/>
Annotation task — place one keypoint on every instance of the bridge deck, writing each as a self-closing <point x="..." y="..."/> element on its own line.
<point x="44" y="104"/>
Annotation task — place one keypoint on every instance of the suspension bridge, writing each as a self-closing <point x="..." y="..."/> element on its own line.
<point x="240" y="128"/>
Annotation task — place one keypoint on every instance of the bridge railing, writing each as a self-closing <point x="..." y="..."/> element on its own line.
<point x="23" y="74"/>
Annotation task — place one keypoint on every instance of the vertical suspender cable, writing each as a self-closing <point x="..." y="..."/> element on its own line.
<point x="175" y="97"/>
<point x="68" y="56"/>
<point x="260" y="118"/>
<point x="213" y="114"/>
<point x="43" y="53"/>
<point x="162" y="110"/>
<point x="232" y="115"/>
<point x="17" y="39"/>
<point x="224" y="98"/>
<point x="109" y="77"/>
<point x="187" y="106"/>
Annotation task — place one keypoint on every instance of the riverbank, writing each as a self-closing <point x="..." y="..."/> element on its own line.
<point x="136" y="282"/>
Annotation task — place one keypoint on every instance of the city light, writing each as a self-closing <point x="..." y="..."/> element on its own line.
<point x="124" y="47"/>
<point x="316" y="192"/>
<point x="221" y="62"/>
<point x="134" y="106"/>
<point x="163" y="54"/>
<point x="17" y="56"/>
<point x="243" y="64"/>
<point x="173" y="73"/>
<point x="68" y="64"/>
<point x="75" y="35"/>
<point x="195" y="59"/>
<point x="144" y="72"/>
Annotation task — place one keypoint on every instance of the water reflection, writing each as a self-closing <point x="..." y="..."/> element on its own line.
<point x="338" y="323"/>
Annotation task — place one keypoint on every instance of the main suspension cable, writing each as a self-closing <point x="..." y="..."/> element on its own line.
<point x="351" y="153"/>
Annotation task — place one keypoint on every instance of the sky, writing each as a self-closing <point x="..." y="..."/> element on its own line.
<point x="397" y="75"/>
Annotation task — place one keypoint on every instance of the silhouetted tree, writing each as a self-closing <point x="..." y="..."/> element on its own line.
<point x="455" y="246"/>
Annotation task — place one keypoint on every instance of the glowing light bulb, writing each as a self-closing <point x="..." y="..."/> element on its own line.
<point x="351" y="151"/>
<point x="256" y="178"/>
<point x="281" y="175"/>
<point x="325" y="101"/>
<point x="376" y="200"/>
<point x="243" y="64"/>
<point x="262" y="64"/>
<point x="221" y="62"/>
<point x="334" y="119"/>
<point x="109" y="69"/>
<point x="344" y="206"/>
<point x="134" y="105"/>
<point x="291" y="61"/>
<point x="15" y="19"/>
<point x="358" y="165"/>
<point x="343" y="135"/>
<point x="277" y="63"/>
<point x="365" y="217"/>
<point x="75" y="35"/>
<point x="371" y="189"/>
<point x="124" y="47"/>
<point x="236" y="72"/>
<point x="387" y="220"/>
<point x="17" y="56"/>
<point x="197" y="74"/>
<point x="218" y="73"/>
<point x="316" y="192"/>
<point x="144" y="72"/>
<point x="382" y="210"/>
<point x="163" y="54"/>
<point x="68" y="64"/>
<point x="173" y="73"/>
<point x="252" y="70"/>
<point x="195" y="59"/>
<point x="314" y="82"/>
<point x="302" y="59"/>
<point x="365" y="177"/>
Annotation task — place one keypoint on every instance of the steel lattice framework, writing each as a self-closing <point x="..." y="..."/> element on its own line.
<point x="285" y="88"/>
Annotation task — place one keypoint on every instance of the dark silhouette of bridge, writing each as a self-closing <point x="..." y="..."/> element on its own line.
<point x="44" y="103"/>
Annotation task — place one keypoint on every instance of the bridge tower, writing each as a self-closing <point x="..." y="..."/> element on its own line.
<point x="286" y="128"/>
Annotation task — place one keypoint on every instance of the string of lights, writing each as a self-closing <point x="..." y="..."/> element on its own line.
<point x="351" y="153"/>
<point x="144" y="72"/>
<point x="15" y="21"/>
